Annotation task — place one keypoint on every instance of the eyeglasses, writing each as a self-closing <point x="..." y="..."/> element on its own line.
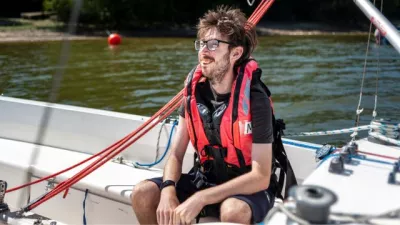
<point x="212" y="44"/>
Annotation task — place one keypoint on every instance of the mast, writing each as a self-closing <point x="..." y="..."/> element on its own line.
<point x="385" y="27"/>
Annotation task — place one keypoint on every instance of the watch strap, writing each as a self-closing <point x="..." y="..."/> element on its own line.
<point x="167" y="183"/>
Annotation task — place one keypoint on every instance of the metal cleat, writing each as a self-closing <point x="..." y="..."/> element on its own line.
<point x="337" y="165"/>
<point x="349" y="150"/>
<point x="392" y="175"/>
<point x="51" y="183"/>
<point x="119" y="159"/>
<point x="38" y="222"/>
<point x="352" y="148"/>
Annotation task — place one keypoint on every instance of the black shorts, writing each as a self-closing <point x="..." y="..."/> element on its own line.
<point x="260" y="202"/>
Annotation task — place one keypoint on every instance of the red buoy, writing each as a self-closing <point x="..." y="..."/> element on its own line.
<point x="114" y="39"/>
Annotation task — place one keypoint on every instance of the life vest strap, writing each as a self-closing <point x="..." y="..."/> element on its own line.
<point x="242" y="163"/>
<point x="216" y="167"/>
<point x="188" y="99"/>
<point x="281" y="161"/>
<point x="217" y="154"/>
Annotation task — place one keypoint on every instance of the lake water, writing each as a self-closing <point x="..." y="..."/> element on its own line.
<point x="315" y="81"/>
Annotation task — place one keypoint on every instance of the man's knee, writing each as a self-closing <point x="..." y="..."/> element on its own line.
<point x="235" y="211"/>
<point x="145" y="195"/>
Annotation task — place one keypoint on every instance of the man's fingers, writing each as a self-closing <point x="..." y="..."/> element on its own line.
<point x="162" y="218"/>
<point x="172" y="218"/>
<point x="166" y="218"/>
<point x="188" y="221"/>
<point x="158" y="217"/>
<point x="177" y="219"/>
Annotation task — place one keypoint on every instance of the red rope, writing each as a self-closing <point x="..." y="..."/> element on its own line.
<point x="89" y="169"/>
<point x="118" y="143"/>
<point x="378" y="155"/>
<point x="112" y="151"/>
<point x="260" y="11"/>
<point x="257" y="11"/>
<point x="67" y="169"/>
<point x="266" y="6"/>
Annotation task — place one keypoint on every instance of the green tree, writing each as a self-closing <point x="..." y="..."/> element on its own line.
<point x="126" y="14"/>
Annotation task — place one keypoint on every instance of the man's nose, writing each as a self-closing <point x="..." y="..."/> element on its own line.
<point x="203" y="49"/>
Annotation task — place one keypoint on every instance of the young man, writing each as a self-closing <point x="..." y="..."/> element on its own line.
<point x="231" y="179"/>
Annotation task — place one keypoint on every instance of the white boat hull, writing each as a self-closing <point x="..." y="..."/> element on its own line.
<point x="75" y="133"/>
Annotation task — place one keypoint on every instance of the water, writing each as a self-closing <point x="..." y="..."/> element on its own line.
<point x="315" y="81"/>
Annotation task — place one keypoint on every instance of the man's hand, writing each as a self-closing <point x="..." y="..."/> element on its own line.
<point x="188" y="210"/>
<point x="167" y="205"/>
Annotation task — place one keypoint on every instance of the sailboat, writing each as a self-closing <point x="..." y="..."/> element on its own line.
<point x="358" y="183"/>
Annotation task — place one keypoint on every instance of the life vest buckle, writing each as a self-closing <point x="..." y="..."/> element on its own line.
<point x="200" y="181"/>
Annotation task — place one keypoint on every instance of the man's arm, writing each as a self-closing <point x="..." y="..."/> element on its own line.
<point x="173" y="171"/>
<point x="254" y="181"/>
<point x="173" y="167"/>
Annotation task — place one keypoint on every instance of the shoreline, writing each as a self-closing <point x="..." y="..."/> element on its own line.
<point x="33" y="34"/>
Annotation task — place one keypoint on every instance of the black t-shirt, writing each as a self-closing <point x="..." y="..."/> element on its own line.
<point x="260" y="108"/>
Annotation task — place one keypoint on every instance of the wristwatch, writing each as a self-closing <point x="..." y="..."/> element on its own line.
<point x="166" y="184"/>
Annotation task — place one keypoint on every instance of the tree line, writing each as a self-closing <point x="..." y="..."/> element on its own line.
<point x="142" y="13"/>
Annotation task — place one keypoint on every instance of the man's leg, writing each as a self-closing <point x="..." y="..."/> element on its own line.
<point x="234" y="210"/>
<point x="246" y="209"/>
<point x="145" y="199"/>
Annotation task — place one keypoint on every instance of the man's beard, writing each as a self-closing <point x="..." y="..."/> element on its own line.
<point x="217" y="73"/>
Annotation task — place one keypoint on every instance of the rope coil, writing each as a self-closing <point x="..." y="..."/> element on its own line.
<point x="386" y="131"/>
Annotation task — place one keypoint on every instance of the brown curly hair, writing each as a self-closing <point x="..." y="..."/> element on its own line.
<point x="233" y="24"/>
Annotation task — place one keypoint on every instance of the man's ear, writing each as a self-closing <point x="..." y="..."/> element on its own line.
<point x="237" y="52"/>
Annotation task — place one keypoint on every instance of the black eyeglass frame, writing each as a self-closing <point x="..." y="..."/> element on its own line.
<point x="197" y="44"/>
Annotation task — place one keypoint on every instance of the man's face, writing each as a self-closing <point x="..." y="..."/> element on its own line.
<point x="214" y="63"/>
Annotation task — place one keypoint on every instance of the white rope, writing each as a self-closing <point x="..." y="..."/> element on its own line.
<point x="374" y="113"/>
<point x="330" y="132"/>
<point x="359" y="110"/>
<point x="250" y="2"/>
<point x="386" y="125"/>
<point x="384" y="138"/>
<point x="158" y="140"/>
<point x="389" y="130"/>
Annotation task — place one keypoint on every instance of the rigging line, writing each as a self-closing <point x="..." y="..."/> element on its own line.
<point x="250" y="2"/>
<point x="378" y="67"/>
<point x="113" y="146"/>
<point x="257" y="11"/>
<point x="53" y="95"/>
<point x="89" y="169"/>
<point x="177" y="102"/>
<point x="359" y="111"/>
<point x="158" y="139"/>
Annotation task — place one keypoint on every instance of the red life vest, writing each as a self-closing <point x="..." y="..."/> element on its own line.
<point x="232" y="157"/>
<point x="235" y="128"/>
